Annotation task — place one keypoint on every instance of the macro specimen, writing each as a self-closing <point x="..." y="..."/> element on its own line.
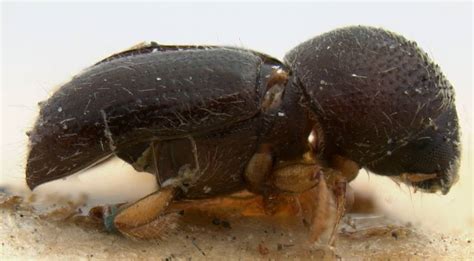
<point x="209" y="121"/>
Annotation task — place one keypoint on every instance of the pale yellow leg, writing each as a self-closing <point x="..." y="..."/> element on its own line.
<point x="142" y="219"/>
<point x="258" y="170"/>
<point x="319" y="212"/>
<point x="323" y="193"/>
<point x="319" y="193"/>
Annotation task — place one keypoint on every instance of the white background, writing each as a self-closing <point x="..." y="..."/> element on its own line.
<point x="45" y="44"/>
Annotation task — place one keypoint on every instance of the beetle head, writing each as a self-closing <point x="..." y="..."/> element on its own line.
<point x="428" y="162"/>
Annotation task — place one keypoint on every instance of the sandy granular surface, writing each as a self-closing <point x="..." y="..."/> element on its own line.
<point x="388" y="222"/>
<point x="216" y="229"/>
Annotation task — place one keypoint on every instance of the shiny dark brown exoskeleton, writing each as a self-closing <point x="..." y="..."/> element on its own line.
<point x="209" y="120"/>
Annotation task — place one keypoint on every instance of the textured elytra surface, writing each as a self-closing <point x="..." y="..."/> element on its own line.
<point x="157" y="95"/>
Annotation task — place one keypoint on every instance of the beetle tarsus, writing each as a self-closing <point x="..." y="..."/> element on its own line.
<point x="339" y="190"/>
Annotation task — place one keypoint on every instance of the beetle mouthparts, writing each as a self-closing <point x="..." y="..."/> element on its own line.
<point x="431" y="183"/>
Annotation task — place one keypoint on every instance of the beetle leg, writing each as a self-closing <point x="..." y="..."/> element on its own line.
<point x="287" y="182"/>
<point x="339" y="190"/>
<point x="277" y="203"/>
<point x="319" y="211"/>
<point x="322" y="197"/>
<point x="322" y="193"/>
<point x="296" y="176"/>
<point x="343" y="171"/>
<point x="347" y="168"/>
<point x="258" y="169"/>
<point x="324" y="206"/>
<point x="142" y="219"/>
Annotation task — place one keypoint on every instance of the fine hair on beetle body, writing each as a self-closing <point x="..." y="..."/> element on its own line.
<point x="209" y="121"/>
